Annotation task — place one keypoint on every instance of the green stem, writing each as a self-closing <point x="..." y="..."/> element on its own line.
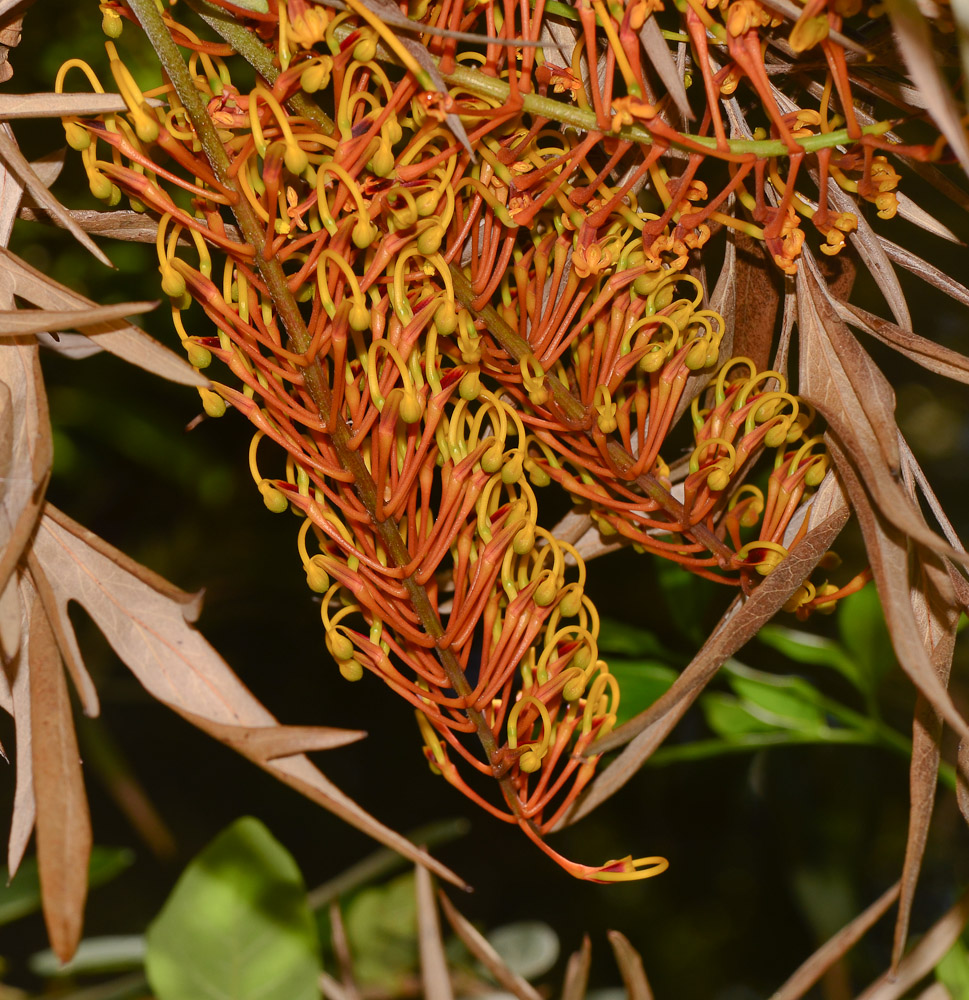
<point x="585" y="120"/>
<point x="292" y="321"/>
<point x="567" y="114"/>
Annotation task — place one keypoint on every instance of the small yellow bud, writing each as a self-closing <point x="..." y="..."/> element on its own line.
<point x="339" y="645"/>
<point x="172" y="283"/>
<point x="383" y="161"/>
<point x="112" y="23"/>
<point x="295" y="159"/>
<point x="491" y="459"/>
<point x="445" y="318"/>
<point x="546" y="592"/>
<point x="352" y="669"/>
<point x="718" y="480"/>
<point x="430" y="240"/>
<point x="525" y="540"/>
<point x="511" y="471"/>
<point x="198" y="356"/>
<point x="77" y="136"/>
<point x="364" y="233"/>
<point x="574" y="688"/>
<point x="212" y="403"/>
<point x="470" y="386"/>
<point x="317" y="578"/>
<point x="359" y="318"/>
<point x="275" y="500"/>
<point x="411" y="407"/>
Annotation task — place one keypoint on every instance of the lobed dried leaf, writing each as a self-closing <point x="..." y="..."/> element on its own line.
<point x="64" y="836"/>
<point x="146" y="626"/>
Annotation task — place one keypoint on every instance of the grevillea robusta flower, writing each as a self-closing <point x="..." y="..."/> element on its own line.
<point x="486" y="247"/>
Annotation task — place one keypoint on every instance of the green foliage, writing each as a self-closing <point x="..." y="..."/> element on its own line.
<point x="237" y="925"/>
<point x="381" y="925"/>
<point x="953" y="971"/>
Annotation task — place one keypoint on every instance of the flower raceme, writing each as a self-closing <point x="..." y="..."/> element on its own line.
<point x="493" y="287"/>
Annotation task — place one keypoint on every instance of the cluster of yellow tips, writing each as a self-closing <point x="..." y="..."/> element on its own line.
<point x="490" y="283"/>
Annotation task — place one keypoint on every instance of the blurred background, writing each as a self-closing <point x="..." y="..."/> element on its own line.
<point x="770" y="850"/>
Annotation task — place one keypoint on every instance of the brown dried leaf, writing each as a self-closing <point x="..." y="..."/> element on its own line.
<point x="922" y="351"/>
<point x="119" y="338"/>
<point x="262" y="744"/>
<point x="22" y="322"/>
<point x="148" y="631"/>
<point x="59" y="105"/>
<point x="63" y="821"/>
<point x="25" y="444"/>
<point x="871" y="251"/>
<point x="922" y="959"/>
<point x="646" y="731"/>
<point x="913" y="211"/>
<point x="190" y="603"/>
<point x="835" y="948"/>
<point x="935" y="609"/>
<point x="434" y="972"/>
<point x="923" y="269"/>
<point x="577" y="972"/>
<point x="18" y="676"/>
<point x="8" y="5"/>
<point x="658" y="53"/>
<point x="841" y="380"/>
<point x="887" y="549"/>
<point x="631" y="967"/>
<point x="17" y="163"/>
<point x="479" y="946"/>
<point x="759" y="292"/>
<point x="135" y="227"/>
<point x="11" y="193"/>
<point x="919" y="53"/>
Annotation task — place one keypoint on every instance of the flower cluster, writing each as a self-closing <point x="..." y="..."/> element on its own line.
<point x="491" y="301"/>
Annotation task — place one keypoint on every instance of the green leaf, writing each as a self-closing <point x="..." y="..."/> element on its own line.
<point x="861" y="623"/>
<point x="22" y="895"/>
<point x="256" y="6"/>
<point x="782" y="701"/>
<point x="237" y="925"/>
<point x="529" y="948"/>
<point x="641" y="682"/>
<point x="687" y="598"/>
<point x="630" y="640"/>
<point x="806" y="647"/>
<point x="381" y="925"/>
<point x="953" y="971"/>
<point x="729" y="718"/>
